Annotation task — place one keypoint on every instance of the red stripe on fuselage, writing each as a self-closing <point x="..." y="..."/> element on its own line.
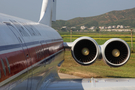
<point x="18" y="62"/>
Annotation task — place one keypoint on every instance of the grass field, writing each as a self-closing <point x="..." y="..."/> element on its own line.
<point x="100" y="38"/>
<point x="99" y="68"/>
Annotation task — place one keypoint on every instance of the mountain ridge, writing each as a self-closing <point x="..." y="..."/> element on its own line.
<point x="116" y="17"/>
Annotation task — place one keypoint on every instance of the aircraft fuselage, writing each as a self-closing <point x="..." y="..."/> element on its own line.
<point x="28" y="50"/>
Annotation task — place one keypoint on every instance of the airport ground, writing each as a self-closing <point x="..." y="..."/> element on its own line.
<point x="99" y="69"/>
<point x="67" y="76"/>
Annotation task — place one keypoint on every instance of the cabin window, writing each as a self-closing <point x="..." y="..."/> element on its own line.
<point x="8" y="65"/>
<point x="3" y="66"/>
<point x="20" y="28"/>
<point x="32" y="30"/>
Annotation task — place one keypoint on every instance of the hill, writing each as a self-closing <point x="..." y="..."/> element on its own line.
<point x="123" y="17"/>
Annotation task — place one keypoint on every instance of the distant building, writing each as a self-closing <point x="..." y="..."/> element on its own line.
<point x="64" y="27"/>
<point x="73" y="27"/>
<point x="109" y="27"/>
<point x="113" y="26"/>
<point x="100" y="27"/>
<point x="106" y="27"/>
<point x="127" y="26"/>
<point x="120" y="26"/>
<point x="93" y="27"/>
<point x="103" y="27"/>
<point x="83" y="27"/>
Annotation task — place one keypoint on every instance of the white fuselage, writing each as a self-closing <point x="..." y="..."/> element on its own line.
<point x="27" y="50"/>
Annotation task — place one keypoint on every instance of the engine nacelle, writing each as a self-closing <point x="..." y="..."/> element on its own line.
<point x="85" y="50"/>
<point x="115" y="52"/>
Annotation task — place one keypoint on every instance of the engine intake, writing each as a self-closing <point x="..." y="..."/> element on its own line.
<point x="85" y="50"/>
<point x="116" y="52"/>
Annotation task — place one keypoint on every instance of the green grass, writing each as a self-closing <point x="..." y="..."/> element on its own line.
<point x="100" y="38"/>
<point x="99" y="68"/>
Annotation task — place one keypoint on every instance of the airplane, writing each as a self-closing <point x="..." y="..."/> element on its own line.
<point x="31" y="52"/>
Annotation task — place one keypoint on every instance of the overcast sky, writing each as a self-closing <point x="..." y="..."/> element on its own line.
<point x="66" y="9"/>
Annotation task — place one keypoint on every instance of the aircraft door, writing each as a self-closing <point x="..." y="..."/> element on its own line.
<point x="26" y="54"/>
<point x="31" y="38"/>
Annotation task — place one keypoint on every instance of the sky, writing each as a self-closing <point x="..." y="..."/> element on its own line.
<point x="66" y="9"/>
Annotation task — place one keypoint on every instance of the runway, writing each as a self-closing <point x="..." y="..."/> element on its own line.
<point x="66" y="76"/>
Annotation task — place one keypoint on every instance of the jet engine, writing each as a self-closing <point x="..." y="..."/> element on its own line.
<point x="85" y="50"/>
<point x="115" y="52"/>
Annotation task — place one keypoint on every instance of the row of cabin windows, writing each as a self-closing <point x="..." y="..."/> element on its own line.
<point x="31" y="29"/>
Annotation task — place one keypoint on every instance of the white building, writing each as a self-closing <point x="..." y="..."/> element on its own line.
<point x="120" y="26"/>
<point x="103" y="27"/>
<point x="93" y="27"/>
<point x="113" y="26"/>
<point x="73" y="27"/>
<point x="64" y="27"/>
<point x="83" y="27"/>
<point x="109" y="27"/>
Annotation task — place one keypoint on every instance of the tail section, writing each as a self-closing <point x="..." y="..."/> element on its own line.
<point x="48" y="12"/>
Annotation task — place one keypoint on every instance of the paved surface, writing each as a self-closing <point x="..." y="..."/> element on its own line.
<point x="66" y="76"/>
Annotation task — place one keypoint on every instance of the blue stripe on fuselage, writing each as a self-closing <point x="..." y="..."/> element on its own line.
<point x="15" y="46"/>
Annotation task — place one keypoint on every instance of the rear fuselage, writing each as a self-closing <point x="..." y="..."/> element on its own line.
<point x="29" y="53"/>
